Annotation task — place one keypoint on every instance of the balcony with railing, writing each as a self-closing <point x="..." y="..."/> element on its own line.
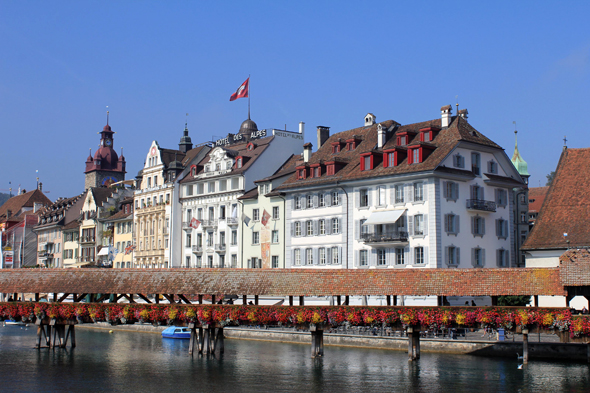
<point x="186" y="225"/>
<point x="209" y="223"/>
<point x="386" y="237"/>
<point x="197" y="248"/>
<point x="87" y="239"/>
<point x="481" y="205"/>
<point x="232" y="221"/>
<point x="220" y="247"/>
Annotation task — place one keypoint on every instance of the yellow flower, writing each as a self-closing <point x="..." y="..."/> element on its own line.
<point x="369" y="320"/>
<point x="144" y="314"/>
<point x="316" y="318"/>
<point x="300" y="317"/>
<point x="252" y="317"/>
<point x="547" y="319"/>
<point x="191" y="313"/>
<point x="460" y="319"/>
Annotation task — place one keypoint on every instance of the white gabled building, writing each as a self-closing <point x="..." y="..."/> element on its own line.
<point x="434" y="194"/>
<point x="211" y="215"/>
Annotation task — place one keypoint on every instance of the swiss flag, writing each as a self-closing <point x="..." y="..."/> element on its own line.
<point x="194" y="223"/>
<point x="242" y="91"/>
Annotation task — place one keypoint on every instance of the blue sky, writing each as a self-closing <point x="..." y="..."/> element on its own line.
<point x="324" y="63"/>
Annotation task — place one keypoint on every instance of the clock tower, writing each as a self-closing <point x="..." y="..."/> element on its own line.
<point x="106" y="167"/>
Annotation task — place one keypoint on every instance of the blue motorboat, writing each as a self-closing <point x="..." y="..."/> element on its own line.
<point x="176" y="332"/>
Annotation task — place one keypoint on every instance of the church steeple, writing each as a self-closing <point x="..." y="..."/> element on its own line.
<point x="518" y="162"/>
<point x="185" y="141"/>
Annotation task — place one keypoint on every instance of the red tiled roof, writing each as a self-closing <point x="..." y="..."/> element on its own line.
<point x="283" y="282"/>
<point x="443" y="143"/>
<point x="566" y="208"/>
<point x="574" y="265"/>
<point x="118" y="216"/>
<point x="26" y="200"/>
<point x="537" y="196"/>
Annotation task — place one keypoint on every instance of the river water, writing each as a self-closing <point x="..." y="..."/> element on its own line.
<point x="143" y="362"/>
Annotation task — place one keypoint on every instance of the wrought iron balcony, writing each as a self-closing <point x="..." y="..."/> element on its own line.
<point x="481" y="205"/>
<point x="220" y="247"/>
<point x="385" y="237"/>
<point x="232" y="221"/>
<point x="87" y="239"/>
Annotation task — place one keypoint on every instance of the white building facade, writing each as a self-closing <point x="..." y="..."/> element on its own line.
<point x="211" y="213"/>
<point x="436" y="194"/>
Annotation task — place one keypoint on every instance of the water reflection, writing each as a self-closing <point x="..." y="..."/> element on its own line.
<point x="123" y="362"/>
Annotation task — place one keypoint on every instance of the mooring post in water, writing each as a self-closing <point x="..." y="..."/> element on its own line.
<point x="72" y="332"/>
<point x="417" y="343"/>
<point x="525" y="346"/>
<point x="588" y="351"/>
<point x="206" y="341"/>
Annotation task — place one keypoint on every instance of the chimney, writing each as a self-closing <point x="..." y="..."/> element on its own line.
<point x="445" y="113"/>
<point x="301" y="127"/>
<point x="307" y="152"/>
<point x="323" y="135"/>
<point x="8" y="213"/>
<point x="463" y="113"/>
<point x="37" y="206"/>
<point x="370" y="119"/>
<point x="40" y="187"/>
<point x="381" y="136"/>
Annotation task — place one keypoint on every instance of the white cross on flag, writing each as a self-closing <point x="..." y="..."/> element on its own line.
<point x="242" y="91"/>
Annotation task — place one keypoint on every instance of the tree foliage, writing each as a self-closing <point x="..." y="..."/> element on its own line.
<point x="550" y="178"/>
<point x="513" y="300"/>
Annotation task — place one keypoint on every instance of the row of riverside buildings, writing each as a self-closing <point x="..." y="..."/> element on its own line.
<point x="433" y="194"/>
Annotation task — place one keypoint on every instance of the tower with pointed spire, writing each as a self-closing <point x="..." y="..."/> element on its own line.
<point x="185" y="141"/>
<point x="106" y="167"/>
<point x="518" y="162"/>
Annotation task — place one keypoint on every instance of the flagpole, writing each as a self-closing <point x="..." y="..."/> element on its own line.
<point x="248" y="96"/>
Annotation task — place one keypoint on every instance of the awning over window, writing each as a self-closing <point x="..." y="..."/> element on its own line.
<point x="103" y="251"/>
<point x="384" y="217"/>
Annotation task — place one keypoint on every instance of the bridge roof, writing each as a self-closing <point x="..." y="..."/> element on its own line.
<point x="287" y="282"/>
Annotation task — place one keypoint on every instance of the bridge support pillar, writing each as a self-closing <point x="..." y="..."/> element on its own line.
<point x="525" y="346"/>
<point x="290" y="301"/>
<point x="347" y="300"/>
<point x="413" y="344"/>
<point x="395" y="300"/>
<point x="301" y="301"/>
<point x="388" y="298"/>
<point x="256" y="300"/>
<point x="317" y="342"/>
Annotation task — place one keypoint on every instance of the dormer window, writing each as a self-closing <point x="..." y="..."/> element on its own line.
<point x="239" y="162"/>
<point x="193" y="170"/>
<point x="403" y="138"/>
<point x="367" y="161"/>
<point x="394" y="157"/>
<point x="351" y="144"/>
<point x="428" y="134"/>
<point x="250" y="146"/>
<point x="332" y="167"/>
<point x="207" y="168"/>
<point x="315" y="170"/>
<point x="419" y="153"/>
<point x="301" y="173"/>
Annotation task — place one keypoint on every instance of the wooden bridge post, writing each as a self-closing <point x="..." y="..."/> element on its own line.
<point x="413" y="344"/>
<point x="206" y="348"/>
<point x="219" y="341"/>
<point x="244" y="299"/>
<point x="256" y="300"/>
<point x="191" y="344"/>
<point x="72" y="332"/>
<point x="339" y="300"/>
<point x="290" y="300"/>
<point x="388" y="298"/>
<point x="201" y="340"/>
<point x="395" y="300"/>
<point x="317" y="341"/>
<point x="301" y="301"/>
<point x="536" y="300"/>
<point x="525" y="346"/>
<point x="200" y="299"/>
<point x="347" y="300"/>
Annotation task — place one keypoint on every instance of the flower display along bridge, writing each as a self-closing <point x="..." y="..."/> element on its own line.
<point x="181" y="285"/>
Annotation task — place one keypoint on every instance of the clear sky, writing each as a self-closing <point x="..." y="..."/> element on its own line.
<point x="325" y="63"/>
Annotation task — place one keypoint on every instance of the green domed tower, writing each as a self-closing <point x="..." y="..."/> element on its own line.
<point x="518" y="162"/>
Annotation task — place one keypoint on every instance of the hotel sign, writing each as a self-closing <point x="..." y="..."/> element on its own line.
<point x="231" y="139"/>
